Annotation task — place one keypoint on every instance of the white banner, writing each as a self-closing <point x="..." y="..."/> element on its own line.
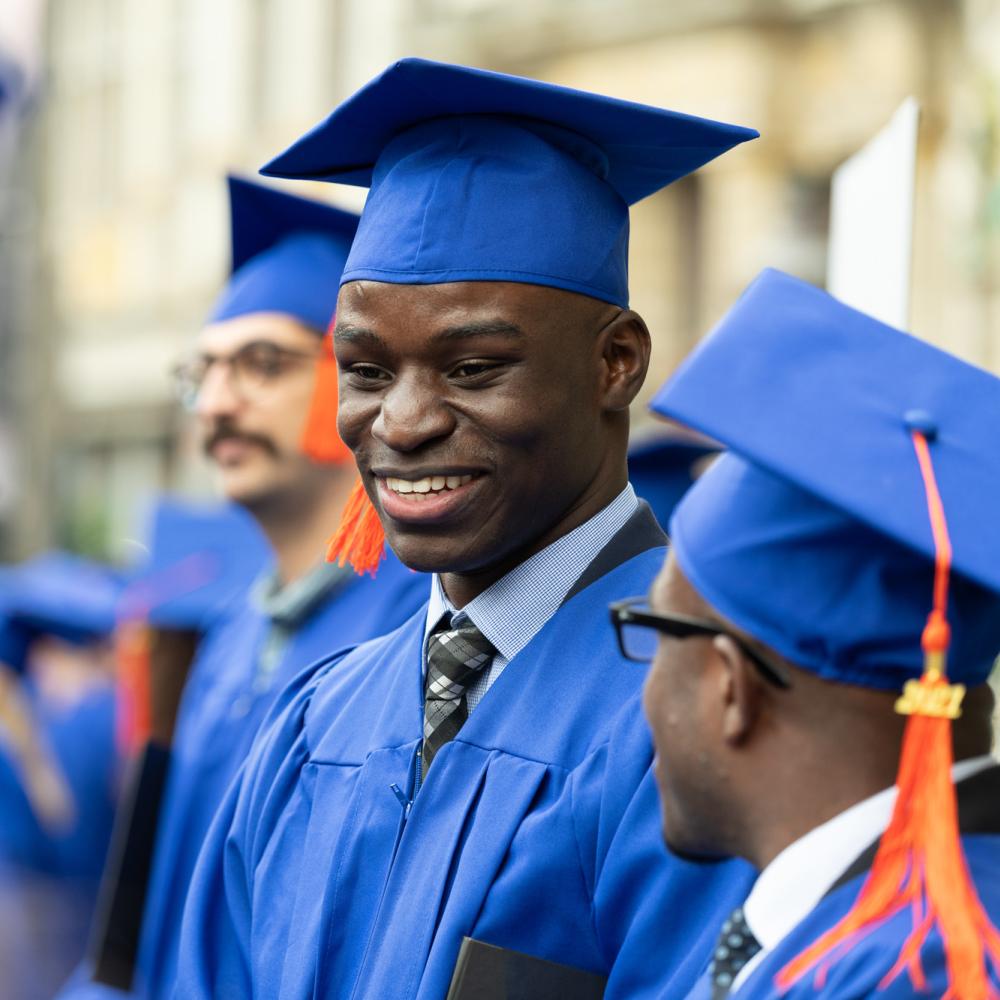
<point x="871" y="221"/>
<point x="20" y="49"/>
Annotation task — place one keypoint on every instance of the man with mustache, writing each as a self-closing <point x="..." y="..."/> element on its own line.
<point x="258" y="369"/>
<point x="833" y="586"/>
<point x="484" y="770"/>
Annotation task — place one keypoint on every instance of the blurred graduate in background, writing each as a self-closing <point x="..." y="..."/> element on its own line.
<point x="262" y="384"/>
<point x="58" y="765"/>
<point x="663" y="465"/>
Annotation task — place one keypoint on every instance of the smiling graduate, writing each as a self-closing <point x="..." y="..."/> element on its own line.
<point x="483" y="771"/>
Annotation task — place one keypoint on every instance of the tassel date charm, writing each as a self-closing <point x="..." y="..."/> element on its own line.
<point x="934" y="700"/>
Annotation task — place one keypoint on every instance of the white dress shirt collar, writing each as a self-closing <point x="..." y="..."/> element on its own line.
<point x="793" y="884"/>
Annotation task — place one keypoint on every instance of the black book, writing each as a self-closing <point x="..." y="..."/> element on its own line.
<point x="114" y="943"/>
<point x="486" y="972"/>
<point x="122" y="899"/>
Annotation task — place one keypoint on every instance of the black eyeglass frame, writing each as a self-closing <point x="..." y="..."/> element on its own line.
<point x="683" y="627"/>
<point x="187" y="385"/>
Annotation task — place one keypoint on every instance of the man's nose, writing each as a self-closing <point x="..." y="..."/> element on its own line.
<point x="217" y="397"/>
<point x="412" y="415"/>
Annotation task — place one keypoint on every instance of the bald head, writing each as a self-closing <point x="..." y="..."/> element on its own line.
<point x="745" y="768"/>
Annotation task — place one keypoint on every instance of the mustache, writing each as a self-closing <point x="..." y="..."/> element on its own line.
<point x="227" y="432"/>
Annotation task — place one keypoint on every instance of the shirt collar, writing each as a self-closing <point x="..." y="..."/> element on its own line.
<point x="290" y="605"/>
<point x="793" y="884"/>
<point x="512" y="611"/>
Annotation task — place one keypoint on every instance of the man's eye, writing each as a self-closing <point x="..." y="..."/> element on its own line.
<point x="473" y="369"/>
<point x="367" y="374"/>
<point x="266" y="364"/>
<point x="268" y="367"/>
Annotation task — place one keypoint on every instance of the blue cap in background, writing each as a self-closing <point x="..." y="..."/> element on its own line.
<point x="55" y="594"/>
<point x="201" y="558"/>
<point x="663" y="468"/>
<point x="288" y="255"/>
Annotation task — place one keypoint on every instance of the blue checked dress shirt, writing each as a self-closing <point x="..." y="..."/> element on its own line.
<point x="513" y="610"/>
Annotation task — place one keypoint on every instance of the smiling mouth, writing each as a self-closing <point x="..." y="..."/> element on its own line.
<point x="419" y="489"/>
<point x="431" y="499"/>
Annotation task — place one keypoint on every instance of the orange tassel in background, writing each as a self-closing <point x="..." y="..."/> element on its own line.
<point x="920" y="864"/>
<point x="133" y="714"/>
<point x="360" y="539"/>
<point x="320" y="440"/>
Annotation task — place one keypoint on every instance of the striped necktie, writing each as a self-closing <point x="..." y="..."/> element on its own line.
<point x="455" y="658"/>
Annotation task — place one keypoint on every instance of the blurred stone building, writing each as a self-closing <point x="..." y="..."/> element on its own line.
<point x="149" y="102"/>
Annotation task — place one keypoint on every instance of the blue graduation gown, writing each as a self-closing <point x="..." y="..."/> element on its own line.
<point x="44" y="921"/>
<point x="219" y="716"/>
<point x="538" y="829"/>
<point x="858" y="972"/>
<point x="49" y="877"/>
<point x="80" y="737"/>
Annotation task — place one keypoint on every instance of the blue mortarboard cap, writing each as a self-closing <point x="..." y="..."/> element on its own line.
<point x="288" y="254"/>
<point x="813" y="535"/>
<point x="56" y="594"/>
<point x="481" y="176"/>
<point x="15" y="641"/>
<point x="662" y="469"/>
<point x="202" y="557"/>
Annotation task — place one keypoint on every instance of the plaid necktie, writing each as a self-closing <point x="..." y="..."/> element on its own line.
<point x="455" y="657"/>
<point x="736" y="946"/>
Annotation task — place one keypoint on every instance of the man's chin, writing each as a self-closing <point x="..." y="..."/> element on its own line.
<point x="442" y="552"/>
<point x="424" y="555"/>
<point x="246" y="490"/>
<point x="688" y="849"/>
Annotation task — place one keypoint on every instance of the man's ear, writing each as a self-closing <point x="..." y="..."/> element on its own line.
<point x="624" y="345"/>
<point x="740" y="690"/>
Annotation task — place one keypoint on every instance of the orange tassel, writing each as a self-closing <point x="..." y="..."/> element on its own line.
<point x="360" y="539"/>
<point x="320" y="440"/>
<point x="133" y="713"/>
<point x="920" y="864"/>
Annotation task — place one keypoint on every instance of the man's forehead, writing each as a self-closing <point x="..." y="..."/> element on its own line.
<point x="368" y="303"/>
<point x="277" y="328"/>
<point x="671" y="591"/>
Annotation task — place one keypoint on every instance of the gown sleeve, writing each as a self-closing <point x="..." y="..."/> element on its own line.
<point x="589" y="883"/>
<point x="655" y="915"/>
<point x="217" y="931"/>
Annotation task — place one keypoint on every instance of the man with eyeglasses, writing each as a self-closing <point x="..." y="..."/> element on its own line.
<point x="483" y="772"/>
<point x="259" y="386"/>
<point x="844" y="547"/>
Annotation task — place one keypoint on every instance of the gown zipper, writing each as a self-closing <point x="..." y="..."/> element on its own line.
<point x="407" y="805"/>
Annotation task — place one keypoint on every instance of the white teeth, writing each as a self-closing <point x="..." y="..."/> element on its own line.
<point x="418" y="488"/>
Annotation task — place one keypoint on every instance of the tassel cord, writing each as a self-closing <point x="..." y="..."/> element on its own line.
<point x="920" y="864"/>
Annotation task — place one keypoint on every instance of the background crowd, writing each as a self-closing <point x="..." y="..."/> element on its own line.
<point x="119" y="120"/>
